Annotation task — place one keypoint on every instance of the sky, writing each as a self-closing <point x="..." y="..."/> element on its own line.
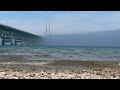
<point x="62" y="22"/>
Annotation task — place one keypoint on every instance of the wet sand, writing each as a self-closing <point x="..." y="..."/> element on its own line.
<point x="65" y="69"/>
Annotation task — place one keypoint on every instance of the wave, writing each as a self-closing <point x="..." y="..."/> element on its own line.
<point x="26" y="63"/>
<point x="59" y="53"/>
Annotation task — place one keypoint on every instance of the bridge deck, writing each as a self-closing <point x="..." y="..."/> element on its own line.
<point x="13" y="33"/>
<point x="11" y="29"/>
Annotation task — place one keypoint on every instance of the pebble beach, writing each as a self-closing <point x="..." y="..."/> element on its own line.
<point x="48" y="70"/>
<point x="67" y="74"/>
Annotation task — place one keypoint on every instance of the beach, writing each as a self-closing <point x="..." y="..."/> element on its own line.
<point x="59" y="70"/>
<point x="59" y="62"/>
<point x="59" y="45"/>
<point x="55" y="74"/>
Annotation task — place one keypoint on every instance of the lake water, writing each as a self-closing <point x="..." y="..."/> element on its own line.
<point x="59" y="53"/>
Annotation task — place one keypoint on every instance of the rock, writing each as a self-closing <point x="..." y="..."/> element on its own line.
<point x="15" y="78"/>
<point x="2" y="73"/>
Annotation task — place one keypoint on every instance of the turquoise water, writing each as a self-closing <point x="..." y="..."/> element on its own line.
<point x="60" y="53"/>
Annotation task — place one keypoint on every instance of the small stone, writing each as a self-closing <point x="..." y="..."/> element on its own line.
<point x="15" y="78"/>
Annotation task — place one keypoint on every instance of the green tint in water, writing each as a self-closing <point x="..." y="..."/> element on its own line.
<point x="61" y="53"/>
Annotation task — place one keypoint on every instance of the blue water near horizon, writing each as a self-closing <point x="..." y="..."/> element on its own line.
<point x="89" y="53"/>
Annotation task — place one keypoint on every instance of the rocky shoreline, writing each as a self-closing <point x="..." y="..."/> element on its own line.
<point x="105" y="73"/>
<point x="59" y="70"/>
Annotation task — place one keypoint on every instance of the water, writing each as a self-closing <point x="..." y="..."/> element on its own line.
<point x="60" y="53"/>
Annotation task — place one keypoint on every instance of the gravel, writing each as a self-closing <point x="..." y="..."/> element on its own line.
<point x="94" y="73"/>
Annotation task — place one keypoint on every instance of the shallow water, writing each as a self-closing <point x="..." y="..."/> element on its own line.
<point x="60" y="53"/>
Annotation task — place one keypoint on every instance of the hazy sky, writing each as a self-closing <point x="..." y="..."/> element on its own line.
<point x="62" y="22"/>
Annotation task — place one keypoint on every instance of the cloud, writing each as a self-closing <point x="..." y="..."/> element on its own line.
<point x="62" y="22"/>
<point x="89" y="22"/>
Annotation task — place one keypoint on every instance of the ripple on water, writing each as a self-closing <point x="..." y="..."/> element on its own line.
<point x="60" y="53"/>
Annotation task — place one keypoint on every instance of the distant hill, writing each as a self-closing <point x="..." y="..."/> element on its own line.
<point x="107" y="38"/>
